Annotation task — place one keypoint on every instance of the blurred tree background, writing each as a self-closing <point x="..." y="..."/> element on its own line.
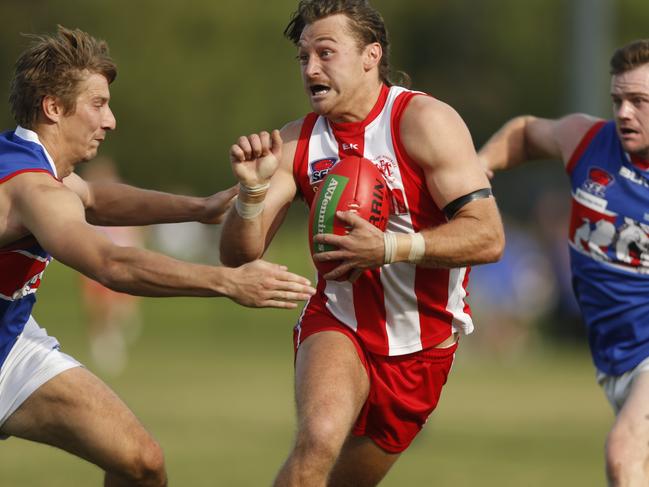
<point x="195" y="75"/>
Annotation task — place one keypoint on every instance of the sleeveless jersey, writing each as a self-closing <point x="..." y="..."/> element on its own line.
<point x="609" y="248"/>
<point x="22" y="263"/>
<point x="398" y="308"/>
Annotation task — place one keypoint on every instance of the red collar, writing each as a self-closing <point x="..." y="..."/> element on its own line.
<point x="354" y="127"/>
<point x="639" y="162"/>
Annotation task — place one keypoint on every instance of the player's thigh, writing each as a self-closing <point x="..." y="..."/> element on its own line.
<point x="361" y="464"/>
<point x="77" y="412"/>
<point x="631" y="423"/>
<point x="331" y="383"/>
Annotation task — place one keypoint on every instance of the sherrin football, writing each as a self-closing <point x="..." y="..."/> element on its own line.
<point x="354" y="183"/>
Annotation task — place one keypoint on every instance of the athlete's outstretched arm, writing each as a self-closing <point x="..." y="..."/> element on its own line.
<point x="528" y="138"/>
<point x="262" y="163"/>
<point x="436" y="138"/>
<point x="120" y="204"/>
<point x="56" y="217"/>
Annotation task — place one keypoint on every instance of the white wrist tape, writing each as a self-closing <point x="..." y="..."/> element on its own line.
<point x="417" y="248"/>
<point x="247" y="210"/>
<point x="254" y="191"/>
<point x="390" y="241"/>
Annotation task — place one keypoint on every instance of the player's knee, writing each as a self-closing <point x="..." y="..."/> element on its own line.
<point x="147" y="465"/>
<point x="620" y="455"/>
<point x="322" y="438"/>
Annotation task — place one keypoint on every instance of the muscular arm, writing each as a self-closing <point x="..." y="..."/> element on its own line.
<point x="437" y="139"/>
<point x="120" y="204"/>
<point x="528" y="138"/>
<point x="246" y="239"/>
<point x="55" y="216"/>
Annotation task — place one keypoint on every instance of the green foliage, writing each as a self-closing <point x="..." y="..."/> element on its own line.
<point x="195" y="75"/>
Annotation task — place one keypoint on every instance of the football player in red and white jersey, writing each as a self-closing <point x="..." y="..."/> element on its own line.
<point x="372" y="355"/>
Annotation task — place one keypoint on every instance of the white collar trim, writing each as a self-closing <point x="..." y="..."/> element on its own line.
<point x="31" y="136"/>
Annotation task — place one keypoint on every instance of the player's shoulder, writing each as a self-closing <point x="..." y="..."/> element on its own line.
<point x="576" y="124"/>
<point x="570" y="130"/>
<point x="291" y="131"/>
<point x="428" y="112"/>
<point x="18" y="153"/>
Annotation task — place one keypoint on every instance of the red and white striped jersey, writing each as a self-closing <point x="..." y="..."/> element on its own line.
<point x="398" y="308"/>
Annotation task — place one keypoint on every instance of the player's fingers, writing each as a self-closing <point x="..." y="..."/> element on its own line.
<point x="227" y="195"/>
<point x="272" y="303"/>
<point x="246" y="147"/>
<point x="355" y="274"/>
<point x="264" y="138"/>
<point x="256" y="146"/>
<point x="237" y="154"/>
<point x="352" y="218"/>
<point x="329" y="239"/>
<point x="292" y="290"/>
<point x="294" y="281"/>
<point x="338" y="272"/>
<point x="277" y="142"/>
<point x="329" y="255"/>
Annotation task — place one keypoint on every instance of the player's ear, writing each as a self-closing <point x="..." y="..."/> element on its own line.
<point x="372" y="56"/>
<point x="52" y="108"/>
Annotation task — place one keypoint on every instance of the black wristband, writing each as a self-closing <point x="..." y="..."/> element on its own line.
<point x="454" y="206"/>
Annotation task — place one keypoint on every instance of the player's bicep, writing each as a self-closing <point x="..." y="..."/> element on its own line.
<point x="555" y="138"/>
<point x="56" y="218"/>
<point x="438" y="140"/>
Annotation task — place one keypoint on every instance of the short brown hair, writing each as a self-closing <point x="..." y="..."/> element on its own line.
<point x="366" y="23"/>
<point x="54" y="65"/>
<point x="630" y="56"/>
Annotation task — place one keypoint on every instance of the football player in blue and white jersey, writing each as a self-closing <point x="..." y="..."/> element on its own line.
<point x="608" y="166"/>
<point x="60" y="99"/>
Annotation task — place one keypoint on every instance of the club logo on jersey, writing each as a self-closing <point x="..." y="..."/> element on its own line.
<point x="598" y="181"/>
<point x="387" y="167"/>
<point x="320" y="168"/>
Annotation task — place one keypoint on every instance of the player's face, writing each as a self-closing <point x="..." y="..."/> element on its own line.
<point x="84" y="129"/>
<point x="332" y="67"/>
<point x="630" y="95"/>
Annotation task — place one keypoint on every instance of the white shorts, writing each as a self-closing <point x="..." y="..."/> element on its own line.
<point x="34" y="359"/>
<point x="618" y="387"/>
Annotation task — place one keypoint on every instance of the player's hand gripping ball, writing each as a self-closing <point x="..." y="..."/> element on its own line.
<point x="354" y="183"/>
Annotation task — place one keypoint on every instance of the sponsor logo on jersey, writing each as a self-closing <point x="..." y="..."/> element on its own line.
<point x="631" y="175"/>
<point x="347" y="147"/>
<point x="320" y="168"/>
<point x="598" y="181"/>
<point x="326" y="205"/>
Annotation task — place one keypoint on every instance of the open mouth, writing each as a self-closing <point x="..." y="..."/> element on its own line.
<point x="627" y="131"/>
<point x="319" y="90"/>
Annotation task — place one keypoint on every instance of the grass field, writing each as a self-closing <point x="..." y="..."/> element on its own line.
<point x="213" y="382"/>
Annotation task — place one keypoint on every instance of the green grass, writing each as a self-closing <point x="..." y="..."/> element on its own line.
<point x="213" y="382"/>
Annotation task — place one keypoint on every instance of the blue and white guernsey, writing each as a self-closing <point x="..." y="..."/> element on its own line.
<point x="22" y="263"/>
<point x="609" y="248"/>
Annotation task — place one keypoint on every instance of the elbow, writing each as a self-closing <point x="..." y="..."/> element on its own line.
<point x="495" y="246"/>
<point x="233" y="255"/>
<point x="113" y="273"/>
